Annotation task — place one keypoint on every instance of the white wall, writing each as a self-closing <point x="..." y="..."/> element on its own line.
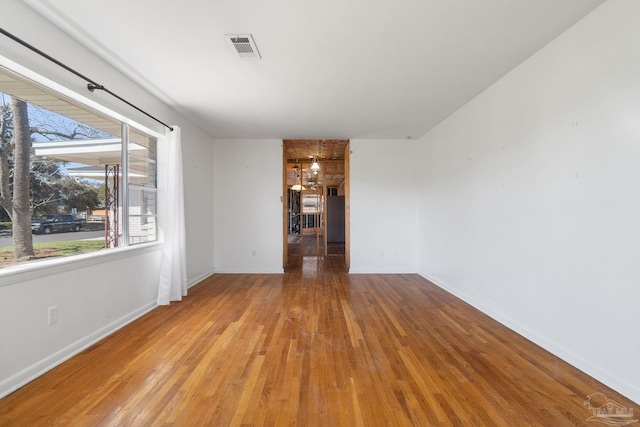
<point x="197" y="164"/>
<point x="95" y="294"/>
<point x="94" y="298"/>
<point x="529" y="204"/>
<point x="383" y="206"/>
<point x="248" y="206"/>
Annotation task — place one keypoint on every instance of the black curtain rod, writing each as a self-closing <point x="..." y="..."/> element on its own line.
<point x="91" y="84"/>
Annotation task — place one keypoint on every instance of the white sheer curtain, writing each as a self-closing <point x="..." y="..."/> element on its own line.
<point x="173" y="272"/>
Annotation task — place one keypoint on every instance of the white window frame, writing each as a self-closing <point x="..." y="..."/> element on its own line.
<point x="30" y="271"/>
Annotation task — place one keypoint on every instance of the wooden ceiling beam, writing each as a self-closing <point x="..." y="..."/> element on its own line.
<point x="309" y="161"/>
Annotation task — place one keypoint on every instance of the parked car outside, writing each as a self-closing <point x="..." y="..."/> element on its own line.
<point x="46" y="224"/>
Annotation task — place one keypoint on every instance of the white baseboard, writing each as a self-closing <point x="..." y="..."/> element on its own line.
<point x="32" y="372"/>
<point x="200" y="278"/>
<point x="601" y="374"/>
<point x="379" y="271"/>
<point x="250" y="271"/>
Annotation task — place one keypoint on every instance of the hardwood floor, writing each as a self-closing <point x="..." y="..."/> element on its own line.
<point x="313" y="347"/>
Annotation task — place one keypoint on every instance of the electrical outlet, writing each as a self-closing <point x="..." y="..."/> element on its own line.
<point x="52" y="315"/>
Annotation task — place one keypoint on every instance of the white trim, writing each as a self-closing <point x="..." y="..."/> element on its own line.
<point x="37" y="269"/>
<point x="600" y="373"/>
<point x="32" y="372"/>
<point x="34" y="270"/>
<point x="249" y="271"/>
<point x="380" y="271"/>
<point x="200" y="278"/>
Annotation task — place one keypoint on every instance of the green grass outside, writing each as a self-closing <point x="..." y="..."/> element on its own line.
<point x="4" y="226"/>
<point x="55" y="249"/>
<point x="71" y="247"/>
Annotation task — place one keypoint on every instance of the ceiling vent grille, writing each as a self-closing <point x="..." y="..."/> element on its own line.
<point x="244" y="45"/>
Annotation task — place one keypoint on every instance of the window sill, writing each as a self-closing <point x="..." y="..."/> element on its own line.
<point x="37" y="269"/>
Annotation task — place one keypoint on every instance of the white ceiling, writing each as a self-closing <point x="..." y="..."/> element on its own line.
<point x="329" y="69"/>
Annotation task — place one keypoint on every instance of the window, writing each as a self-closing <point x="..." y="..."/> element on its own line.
<point x="141" y="188"/>
<point x="72" y="180"/>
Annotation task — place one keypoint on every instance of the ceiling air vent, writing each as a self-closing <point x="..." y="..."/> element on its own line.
<point x="244" y="45"/>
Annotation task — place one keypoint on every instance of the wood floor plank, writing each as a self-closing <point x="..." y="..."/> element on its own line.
<point x="312" y="347"/>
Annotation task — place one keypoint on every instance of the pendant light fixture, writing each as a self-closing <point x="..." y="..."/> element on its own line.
<point x="315" y="166"/>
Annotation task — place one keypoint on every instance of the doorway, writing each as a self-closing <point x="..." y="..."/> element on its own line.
<point x="315" y="201"/>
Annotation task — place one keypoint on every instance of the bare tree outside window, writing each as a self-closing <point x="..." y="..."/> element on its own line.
<point x="53" y="177"/>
